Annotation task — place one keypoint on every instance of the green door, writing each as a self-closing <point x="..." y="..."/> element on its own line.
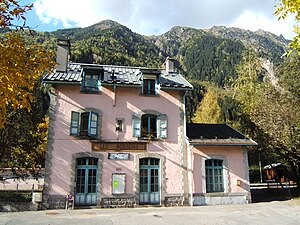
<point x="86" y="181"/>
<point x="149" y="181"/>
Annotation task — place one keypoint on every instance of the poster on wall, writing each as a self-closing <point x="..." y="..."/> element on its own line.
<point x="118" y="183"/>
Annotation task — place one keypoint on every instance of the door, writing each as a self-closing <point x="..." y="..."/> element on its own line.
<point x="86" y="181"/>
<point x="149" y="181"/>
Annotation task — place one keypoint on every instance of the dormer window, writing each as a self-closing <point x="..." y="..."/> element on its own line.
<point x="149" y="85"/>
<point x="91" y="80"/>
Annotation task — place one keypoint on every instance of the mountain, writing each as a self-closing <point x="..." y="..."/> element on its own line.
<point x="201" y="54"/>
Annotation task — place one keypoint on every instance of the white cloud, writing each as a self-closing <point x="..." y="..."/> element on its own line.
<point x="257" y="20"/>
<point x="158" y="16"/>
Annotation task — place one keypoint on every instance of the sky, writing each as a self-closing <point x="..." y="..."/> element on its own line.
<point x="155" y="17"/>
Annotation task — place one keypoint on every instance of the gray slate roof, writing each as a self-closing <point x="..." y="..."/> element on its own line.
<point x="216" y="135"/>
<point x="118" y="75"/>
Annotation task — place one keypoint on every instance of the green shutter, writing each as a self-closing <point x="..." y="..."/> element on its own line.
<point x="93" y="124"/>
<point x="136" y="126"/>
<point x="74" y="127"/>
<point x="162" y="126"/>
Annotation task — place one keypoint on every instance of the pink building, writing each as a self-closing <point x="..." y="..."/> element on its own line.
<point x="117" y="138"/>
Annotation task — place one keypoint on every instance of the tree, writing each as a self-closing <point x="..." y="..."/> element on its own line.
<point x="24" y="137"/>
<point x="274" y="112"/>
<point x="11" y="10"/>
<point x="21" y="65"/>
<point x="208" y="110"/>
<point x="292" y="7"/>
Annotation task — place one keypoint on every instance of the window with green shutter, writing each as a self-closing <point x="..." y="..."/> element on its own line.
<point x="84" y="124"/>
<point x="150" y="126"/>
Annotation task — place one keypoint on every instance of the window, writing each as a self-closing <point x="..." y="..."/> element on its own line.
<point x="84" y="124"/>
<point x="149" y="126"/>
<point x="91" y="81"/>
<point x="214" y="175"/>
<point x="149" y="87"/>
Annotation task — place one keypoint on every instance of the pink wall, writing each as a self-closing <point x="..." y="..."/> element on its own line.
<point x="234" y="161"/>
<point x="127" y="102"/>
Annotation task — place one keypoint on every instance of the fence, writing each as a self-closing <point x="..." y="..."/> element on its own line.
<point x="17" y="194"/>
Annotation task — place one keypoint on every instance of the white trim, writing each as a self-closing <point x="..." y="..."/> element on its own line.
<point x="225" y="172"/>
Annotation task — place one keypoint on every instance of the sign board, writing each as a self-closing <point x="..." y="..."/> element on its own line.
<point x="119" y="146"/>
<point x="118" y="183"/>
<point x="119" y="156"/>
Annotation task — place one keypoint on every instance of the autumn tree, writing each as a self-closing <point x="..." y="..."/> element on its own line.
<point x="292" y="8"/>
<point x="208" y="110"/>
<point x="21" y="65"/>
<point x="23" y="126"/>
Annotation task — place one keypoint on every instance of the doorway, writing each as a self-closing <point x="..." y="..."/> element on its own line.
<point x="86" y="181"/>
<point x="149" y="181"/>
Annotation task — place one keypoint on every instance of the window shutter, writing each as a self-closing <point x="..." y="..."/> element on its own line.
<point x="93" y="124"/>
<point x="136" y="126"/>
<point x="162" y="126"/>
<point x="99" y="84"/>
<point x="157" y="87"/>
<point x="74" y="127"/>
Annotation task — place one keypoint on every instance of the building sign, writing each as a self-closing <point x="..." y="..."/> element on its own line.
<point x="119" y="146"/>
<point x="119" y="156"/>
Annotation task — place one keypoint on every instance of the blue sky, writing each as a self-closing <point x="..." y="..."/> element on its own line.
<point x="153" y="17"/>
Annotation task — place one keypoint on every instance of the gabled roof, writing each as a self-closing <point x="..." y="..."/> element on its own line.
<point x="216" y="135"/>
<point x="118" y="75"/>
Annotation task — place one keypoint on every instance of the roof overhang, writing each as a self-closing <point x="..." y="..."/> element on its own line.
<point x="222" y="142"/>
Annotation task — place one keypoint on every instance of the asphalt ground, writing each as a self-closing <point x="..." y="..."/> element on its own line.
<point x="278" y="212"/>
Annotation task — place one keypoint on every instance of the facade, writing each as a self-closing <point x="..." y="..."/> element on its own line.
<point x="117" y="138"/>
<point x="219" y="164"/>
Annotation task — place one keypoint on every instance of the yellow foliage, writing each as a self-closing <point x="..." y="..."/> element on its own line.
<point x="20" y="68"/>
<point x="291" y="7"/>
<point x="208" y="110"/>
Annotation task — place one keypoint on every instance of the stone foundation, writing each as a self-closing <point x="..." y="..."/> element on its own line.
<point x="174" y="201"/>
<point x="56" y="202"/>
<point x="220" y="198"/>
<point x="121" y="202"/>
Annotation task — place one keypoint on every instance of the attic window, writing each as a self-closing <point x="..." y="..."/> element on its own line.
<point x="149" y="85"/>
<point x="91" y="80"/>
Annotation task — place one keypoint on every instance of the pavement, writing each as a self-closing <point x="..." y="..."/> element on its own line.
<point x="277" y="212"/>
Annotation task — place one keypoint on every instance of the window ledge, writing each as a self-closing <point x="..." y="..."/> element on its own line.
<point x="146" y="95"/>
<point x="218" y="194"/>
<point x="84" y="137"/>
<point x="90" y="92"/>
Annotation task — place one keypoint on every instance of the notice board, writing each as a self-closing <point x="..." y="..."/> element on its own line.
<point x="118" y="183"/>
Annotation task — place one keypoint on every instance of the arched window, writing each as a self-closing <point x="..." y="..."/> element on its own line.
<point x="149" y="125"/>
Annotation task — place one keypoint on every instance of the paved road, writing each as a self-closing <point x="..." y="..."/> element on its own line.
<point x="287" y="212"/>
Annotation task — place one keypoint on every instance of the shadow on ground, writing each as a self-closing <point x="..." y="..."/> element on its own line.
<point x="273" y="194"/>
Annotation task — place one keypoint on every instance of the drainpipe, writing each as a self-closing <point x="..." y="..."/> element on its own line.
<point x="189" y="156"/>
<point x="114" y="96"/>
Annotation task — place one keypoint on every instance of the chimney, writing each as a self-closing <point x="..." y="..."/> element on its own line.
<point x="62" y="58"/>
<point x="169" y="64"/>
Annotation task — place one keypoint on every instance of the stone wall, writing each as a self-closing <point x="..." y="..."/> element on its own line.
<point x="220" y="199"/>
<point x="19" y="206"/>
